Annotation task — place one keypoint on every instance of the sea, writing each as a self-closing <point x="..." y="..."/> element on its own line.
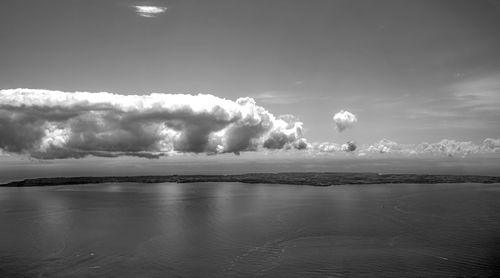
<point x="250" y="230"/>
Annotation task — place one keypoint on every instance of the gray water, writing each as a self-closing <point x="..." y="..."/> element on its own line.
<point x="242" y="230"/>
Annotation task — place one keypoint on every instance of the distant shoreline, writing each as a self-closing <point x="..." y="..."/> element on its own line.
<point x="306" y="178"/>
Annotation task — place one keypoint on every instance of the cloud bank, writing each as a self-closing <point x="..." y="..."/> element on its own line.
<point x="149" y="11"/>
<point x="446" y="147"/>
<point x="53" y="124"/>
<point x="343" y="120"/>
<point x="48" y="124"/>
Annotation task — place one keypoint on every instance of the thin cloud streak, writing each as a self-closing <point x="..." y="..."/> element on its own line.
<point x="149" y="11"/>
<point x="479" y="94"/>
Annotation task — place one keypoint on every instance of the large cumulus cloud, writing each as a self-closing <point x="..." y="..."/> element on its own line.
<point x="53" y="124"/>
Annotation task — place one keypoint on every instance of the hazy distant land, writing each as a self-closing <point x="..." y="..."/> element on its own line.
<point x="309" y="178"/>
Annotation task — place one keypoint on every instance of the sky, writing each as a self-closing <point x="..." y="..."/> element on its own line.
<point x="411" y="71"/>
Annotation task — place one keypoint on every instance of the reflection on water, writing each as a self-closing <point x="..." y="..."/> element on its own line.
<point x="231" y="229"/>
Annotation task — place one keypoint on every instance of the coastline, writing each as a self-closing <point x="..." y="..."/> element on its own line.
<point x="299" y="178"/>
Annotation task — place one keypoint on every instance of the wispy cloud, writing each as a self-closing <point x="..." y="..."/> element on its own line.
<point x="149" y="11"/>
<point x="274" y="97"/>
<point x="481" y="94"/>
<point x="466" y="103"/>
<point x="280" y="97"/>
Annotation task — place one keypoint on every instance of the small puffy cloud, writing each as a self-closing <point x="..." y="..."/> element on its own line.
<point x="350" y="146"/>
<point x="301" y="144"/>
<point x="490" y="144"/>
<point x="52" y="124"/>
<point x="149" y="11"/>
<point x="343" y="120"/>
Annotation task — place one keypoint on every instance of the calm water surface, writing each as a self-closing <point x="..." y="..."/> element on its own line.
<point x="241" y="230"/>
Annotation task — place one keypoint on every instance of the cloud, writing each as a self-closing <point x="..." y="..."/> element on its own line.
<point x="326" y="147"/>
<point x="329" y="147"/>
<point x="287" y="135"/>
<point x="446" y="147"/>
<point x="350" y="146"/>
<point x="490" y="144"/>
<point x="52" y="124"/>
<point x="343" y="120"/>
<point x="149" y="11"/>
<point x="387" y="146"/>
<point x="449" y="148"/>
